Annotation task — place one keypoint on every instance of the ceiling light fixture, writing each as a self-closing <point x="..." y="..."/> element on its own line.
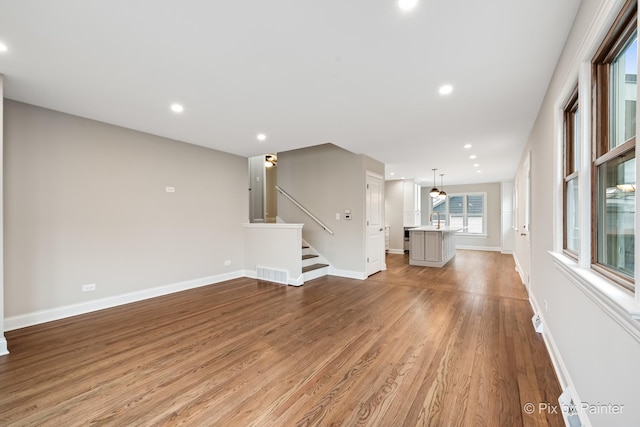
<point x="473" y="156"/>
<point x="3" y="47"/>
<point x="475" y="165"/>
<point x="270" y="160"/>
<point x="442" y="193"/>
<point x="407" y="5"/>
<point x="261" y="137"/>
<point x="392" y="173"/>
<point x="478" y="171"/>
<point x="467" y="146"/>
<point x="445" y="90"/>
<point x="177" y="108"/>
<point x="434" y="192"/>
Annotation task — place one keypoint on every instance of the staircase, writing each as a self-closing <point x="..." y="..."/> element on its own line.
<point x="313" y="266"/>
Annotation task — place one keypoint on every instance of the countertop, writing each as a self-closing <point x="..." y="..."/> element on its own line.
<point x="442" y="228"/>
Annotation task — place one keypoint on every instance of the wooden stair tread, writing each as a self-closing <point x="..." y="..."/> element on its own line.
<point x="313" y="267"/>
<point x="309" y="256"/>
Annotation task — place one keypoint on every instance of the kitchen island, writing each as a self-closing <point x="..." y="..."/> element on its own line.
<point x="430" y="246"/>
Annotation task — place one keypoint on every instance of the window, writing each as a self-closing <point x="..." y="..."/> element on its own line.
<point x="464" y="211"/>
<point x="571" y="238"/>
<point x="615" y="71"/>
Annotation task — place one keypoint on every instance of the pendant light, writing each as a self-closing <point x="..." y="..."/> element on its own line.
<point x="442" y="193"/>
<point x="434" y="191"/>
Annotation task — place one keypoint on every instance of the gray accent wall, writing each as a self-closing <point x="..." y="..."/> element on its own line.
<point x="3" y="341"/>
<point x="86" y="203"/>
<point x="326" y="180"/>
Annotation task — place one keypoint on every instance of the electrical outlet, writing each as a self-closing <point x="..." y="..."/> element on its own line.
<point x="227" y="262"/>
<point x="89" y="287"/>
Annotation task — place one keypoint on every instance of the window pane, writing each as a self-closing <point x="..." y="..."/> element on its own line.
<point x="475" y="214"/>
<point x="440" y="206"/>
<point x="456" y="222"/>
<point x="455" y="205"/>
<point x="573" y="231"/>
<point x="616" y="213"/>
<point x="624" y="75"/>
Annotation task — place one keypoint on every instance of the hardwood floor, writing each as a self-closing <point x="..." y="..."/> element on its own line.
<point x="408" y="346"/>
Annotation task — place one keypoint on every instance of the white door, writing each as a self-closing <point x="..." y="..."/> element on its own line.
<point x="374" y="223"/>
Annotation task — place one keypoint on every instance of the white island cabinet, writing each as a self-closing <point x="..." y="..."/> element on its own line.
<point x="431" y="246"/>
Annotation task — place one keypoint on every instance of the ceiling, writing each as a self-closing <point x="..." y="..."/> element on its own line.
<point x="361" y="74"/>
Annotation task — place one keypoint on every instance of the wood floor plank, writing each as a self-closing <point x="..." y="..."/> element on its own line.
<point x="408" y="346"/>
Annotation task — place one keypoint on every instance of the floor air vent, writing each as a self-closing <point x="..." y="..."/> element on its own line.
<point x="537" y="323"/>
<point x="271" y="275"/>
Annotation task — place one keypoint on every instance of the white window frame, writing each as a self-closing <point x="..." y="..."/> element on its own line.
<point x="464" y="210"/>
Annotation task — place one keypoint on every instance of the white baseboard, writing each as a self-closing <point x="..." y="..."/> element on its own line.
<point x="519" y="269"/>
<point x="3" y="346"/>
<point x="360" y="275"/>
<point x="507" y="251"/>
<point x="29" y="319"/>
<point x="395" y="251"/>
<point x="479" y="248"/>
<point x="562" y="373"/>
<point x="251" y="274"/>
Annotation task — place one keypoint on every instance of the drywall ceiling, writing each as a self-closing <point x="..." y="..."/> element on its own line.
<point x="361" y="74"/>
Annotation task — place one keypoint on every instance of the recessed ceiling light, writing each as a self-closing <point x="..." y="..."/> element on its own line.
<point x="407" y="5"/>
<point x="402" y="177"/>
<point x="392" y="173"/>
<point x="475" y="165"/>
<point x="473" y="156"/>
<point x="3" y="47"/>
<point x="478" y="171"/>
<point x="445" y="90"/>
<point x="261" y="137"/>
<point x="467" y="146"/>
<point x="177" y="108"/>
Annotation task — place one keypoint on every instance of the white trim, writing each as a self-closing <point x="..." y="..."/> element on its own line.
<point x="359" y="275"/>
<point x="479" y="248"/>
<point x="3" y="346"/>
<point x="507" y="251"/>
<point x="519" y="268"/>
<point x="57" y="313"/>
<point x="252" y="274"/>
<point x="396" y="251"/>
<point x="616" y="302"/>
<point x="297" y="282"/>
<point x="280" y="225"/>
<point x="562" y="373"/>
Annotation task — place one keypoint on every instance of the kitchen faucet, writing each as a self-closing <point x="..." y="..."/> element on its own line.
<point x="431" y="218"/>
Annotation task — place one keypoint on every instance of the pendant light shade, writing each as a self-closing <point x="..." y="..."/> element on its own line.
<point x="434" y="191"/>
<point x="442" y="193"/>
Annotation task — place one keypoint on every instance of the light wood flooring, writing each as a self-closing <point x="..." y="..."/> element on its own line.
<point x="408" y="346"/>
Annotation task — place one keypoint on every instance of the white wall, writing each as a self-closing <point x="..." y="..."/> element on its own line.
<point x="85" y="203"/>
<point x="394" y="199"/>
<point x="274" y="246"/>
<point x="595" y="351"/>
<point x="492" y="241"/>
<point x="326" y="180"/>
